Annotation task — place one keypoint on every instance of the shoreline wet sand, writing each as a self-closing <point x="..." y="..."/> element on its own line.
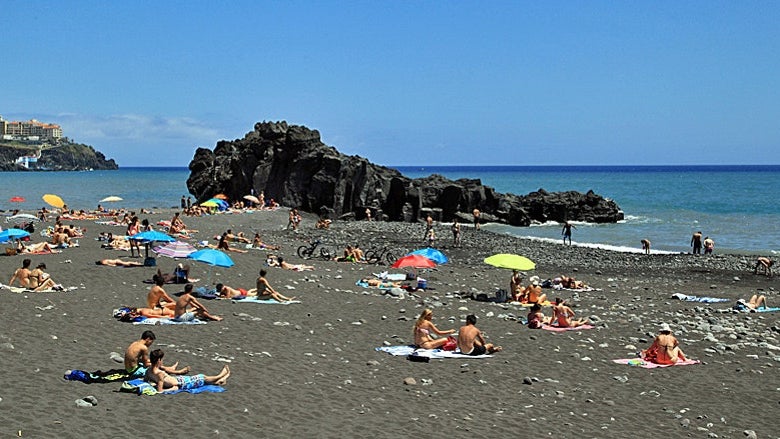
<point x="310" y="369"/>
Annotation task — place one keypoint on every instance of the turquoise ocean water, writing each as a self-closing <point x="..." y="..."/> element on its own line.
<point x="735" y="205"/>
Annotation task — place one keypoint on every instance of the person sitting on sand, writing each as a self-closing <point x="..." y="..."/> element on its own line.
<point x="22" y="274"/>
<point x="188" y="308"/>
<point x="60" y="239"/>
<point x="227" y="292"/>
<point x="177" y="225"/>
<point x="322" y="223"/>
<point x="180" y="275"/>
<point x="137" y="357"/>
<point x="224" y="246"/>
<point x="570" y="283"/>
<point x="118" y="263"/>
<point x="765" y="264"/>
<point x="533" y="292"/>
<point x="471" y="341"/>
<point x="754" y="303"/>
<point x="348" y="255"/>
<point x="40" y="280"/>
<point x="163" y="382"/>
<point x="258" y="243"/>
<point x="157" y="298"/>
<point x="665" y="348"/>
<point x="264" y="290"/>
<point x="229" y="236"/>
<point x="422" y="332"/>
<point x="562" y="314"/>
<point x="536" y="318"/>
<point x="516" y="286"/>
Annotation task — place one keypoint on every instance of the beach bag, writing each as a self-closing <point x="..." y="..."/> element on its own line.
<point x="451" y="344"/>
<point x="502" y="296"/>
<point x="481" y="297"/>
<point x="150" y="262"/>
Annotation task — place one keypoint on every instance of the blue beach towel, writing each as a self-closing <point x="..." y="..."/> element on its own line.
<point x="141" y="387"/>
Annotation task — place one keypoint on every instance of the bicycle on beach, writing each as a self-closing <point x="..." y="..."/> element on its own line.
<point x="380" y="256"/>
<point x="310" y="251"/>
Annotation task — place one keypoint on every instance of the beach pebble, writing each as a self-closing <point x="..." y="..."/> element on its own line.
<point x="685" y="423"/>
<point x="750" y="434"/>
<point x="372" y="363"/>
<point x="7" y="346"/>
<point x="409" y="381"/>
<point x="83" y="403"/>
<point x="527" y="380"/>
<point x="115" y="356"/>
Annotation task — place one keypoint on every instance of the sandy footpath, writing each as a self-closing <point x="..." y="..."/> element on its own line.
<point x="311" y="370"/>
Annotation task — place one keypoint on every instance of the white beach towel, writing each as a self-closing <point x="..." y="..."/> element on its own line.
<point x="405" y="350"/>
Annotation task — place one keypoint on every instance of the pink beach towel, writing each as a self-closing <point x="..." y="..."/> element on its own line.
<point x="648" y="365"/>
<point x="559" y="329"/>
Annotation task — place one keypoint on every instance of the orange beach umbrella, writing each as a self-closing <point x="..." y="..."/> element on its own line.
<point x="54" y="201"/>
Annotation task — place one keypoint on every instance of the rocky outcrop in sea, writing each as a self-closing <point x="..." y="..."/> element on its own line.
<point x="64" y="157"/>
<point x="290" y="164"/>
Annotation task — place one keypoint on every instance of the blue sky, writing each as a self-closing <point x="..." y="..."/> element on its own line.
<point x="405" y="83"/>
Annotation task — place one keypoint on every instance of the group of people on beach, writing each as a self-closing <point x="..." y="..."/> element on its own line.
<point x="35" y="279"/>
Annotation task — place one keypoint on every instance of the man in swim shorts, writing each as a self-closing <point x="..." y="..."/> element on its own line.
<point x="471" y="341"/>
<point x="137" y="357"/>
<point x="157" y="374"/>
<point x="188" y="308"/>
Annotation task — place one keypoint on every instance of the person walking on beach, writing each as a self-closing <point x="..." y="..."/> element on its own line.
<point x="471" y="341"/>
<point x="428" y="225"/>
<point x="765" y="264"/>
<point x="709" y="245"/>
<point x="455" y="232"/>
<point x="646" y="246"/>
<point x="696" y="243"/>
<point x="566" y="231"/>
<point x="476" y="213"/>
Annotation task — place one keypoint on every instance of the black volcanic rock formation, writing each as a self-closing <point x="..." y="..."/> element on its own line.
<point x="290" y="164"/>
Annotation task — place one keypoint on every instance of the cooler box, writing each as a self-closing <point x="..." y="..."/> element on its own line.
<point x="422" y="283"/>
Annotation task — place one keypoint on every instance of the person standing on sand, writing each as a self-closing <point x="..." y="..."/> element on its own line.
<point x="428" y="226"/>
<point x="187" y="302"/>
<point x="646" y="246"/>
<point x="455" y="232"/>
<point x="476" y="213"/>
<point x="566" y="231"/>
<point x="471" y="341"/>
<point x="696" y="243"/>
<point x="709" y="245"/>
<point x="183" y="202"/>
<point x="765" y="264"/>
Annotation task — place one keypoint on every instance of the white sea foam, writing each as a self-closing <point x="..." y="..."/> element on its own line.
<point x="616" y="248"/>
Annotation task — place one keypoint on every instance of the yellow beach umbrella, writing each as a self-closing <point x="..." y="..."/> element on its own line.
<point x="209" y="203"/>
<point x="54" y="201"/>
<point x="510" y="261"/>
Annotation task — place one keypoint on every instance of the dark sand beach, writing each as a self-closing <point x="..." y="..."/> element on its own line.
<point x="311" y="369"/>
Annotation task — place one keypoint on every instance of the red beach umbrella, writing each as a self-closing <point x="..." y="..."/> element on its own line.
<point x="414" y="261"/>
<point x="17" y="200"/>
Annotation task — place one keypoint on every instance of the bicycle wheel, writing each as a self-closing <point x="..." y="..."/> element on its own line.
<point x="303" y="252"/>
<point x="371" y="257"/>
<point x="325" y="253"/>
<point x="390" y="258"/>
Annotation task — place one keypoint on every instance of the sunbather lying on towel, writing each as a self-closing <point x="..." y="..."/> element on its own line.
<point x="379" y="283"/>
<point x="280" y="262"/>
<point x="755" y="302"/>
<point x="227" y="292"/>
<point x="118" y="263"/>
<point x="164" y="382"/>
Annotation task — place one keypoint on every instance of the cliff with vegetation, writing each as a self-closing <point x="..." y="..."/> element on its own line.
<point x="65" y="156"/>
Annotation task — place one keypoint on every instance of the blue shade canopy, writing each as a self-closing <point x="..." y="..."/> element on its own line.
<point x="211" y="257"/>
<point x="150" y="236"/>
<point x="432" y="254"/>
<point x="9" y="234"/>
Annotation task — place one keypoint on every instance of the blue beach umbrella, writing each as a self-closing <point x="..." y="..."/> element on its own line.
<point x="9" y="234"/>
<point x="151" y="236"/>
<point x="212" y="257"/>
<point x="431" y="253"/>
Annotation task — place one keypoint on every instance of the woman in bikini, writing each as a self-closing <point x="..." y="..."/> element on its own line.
<point x="40" y="280"/>
<point x="563" y="315"/>
<point x="422" y="332"/>
<point x="665" y="348"/>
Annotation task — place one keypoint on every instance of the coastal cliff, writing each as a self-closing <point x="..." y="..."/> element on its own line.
<point x="290" y="164"/>
<point x="63" y="157"/>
